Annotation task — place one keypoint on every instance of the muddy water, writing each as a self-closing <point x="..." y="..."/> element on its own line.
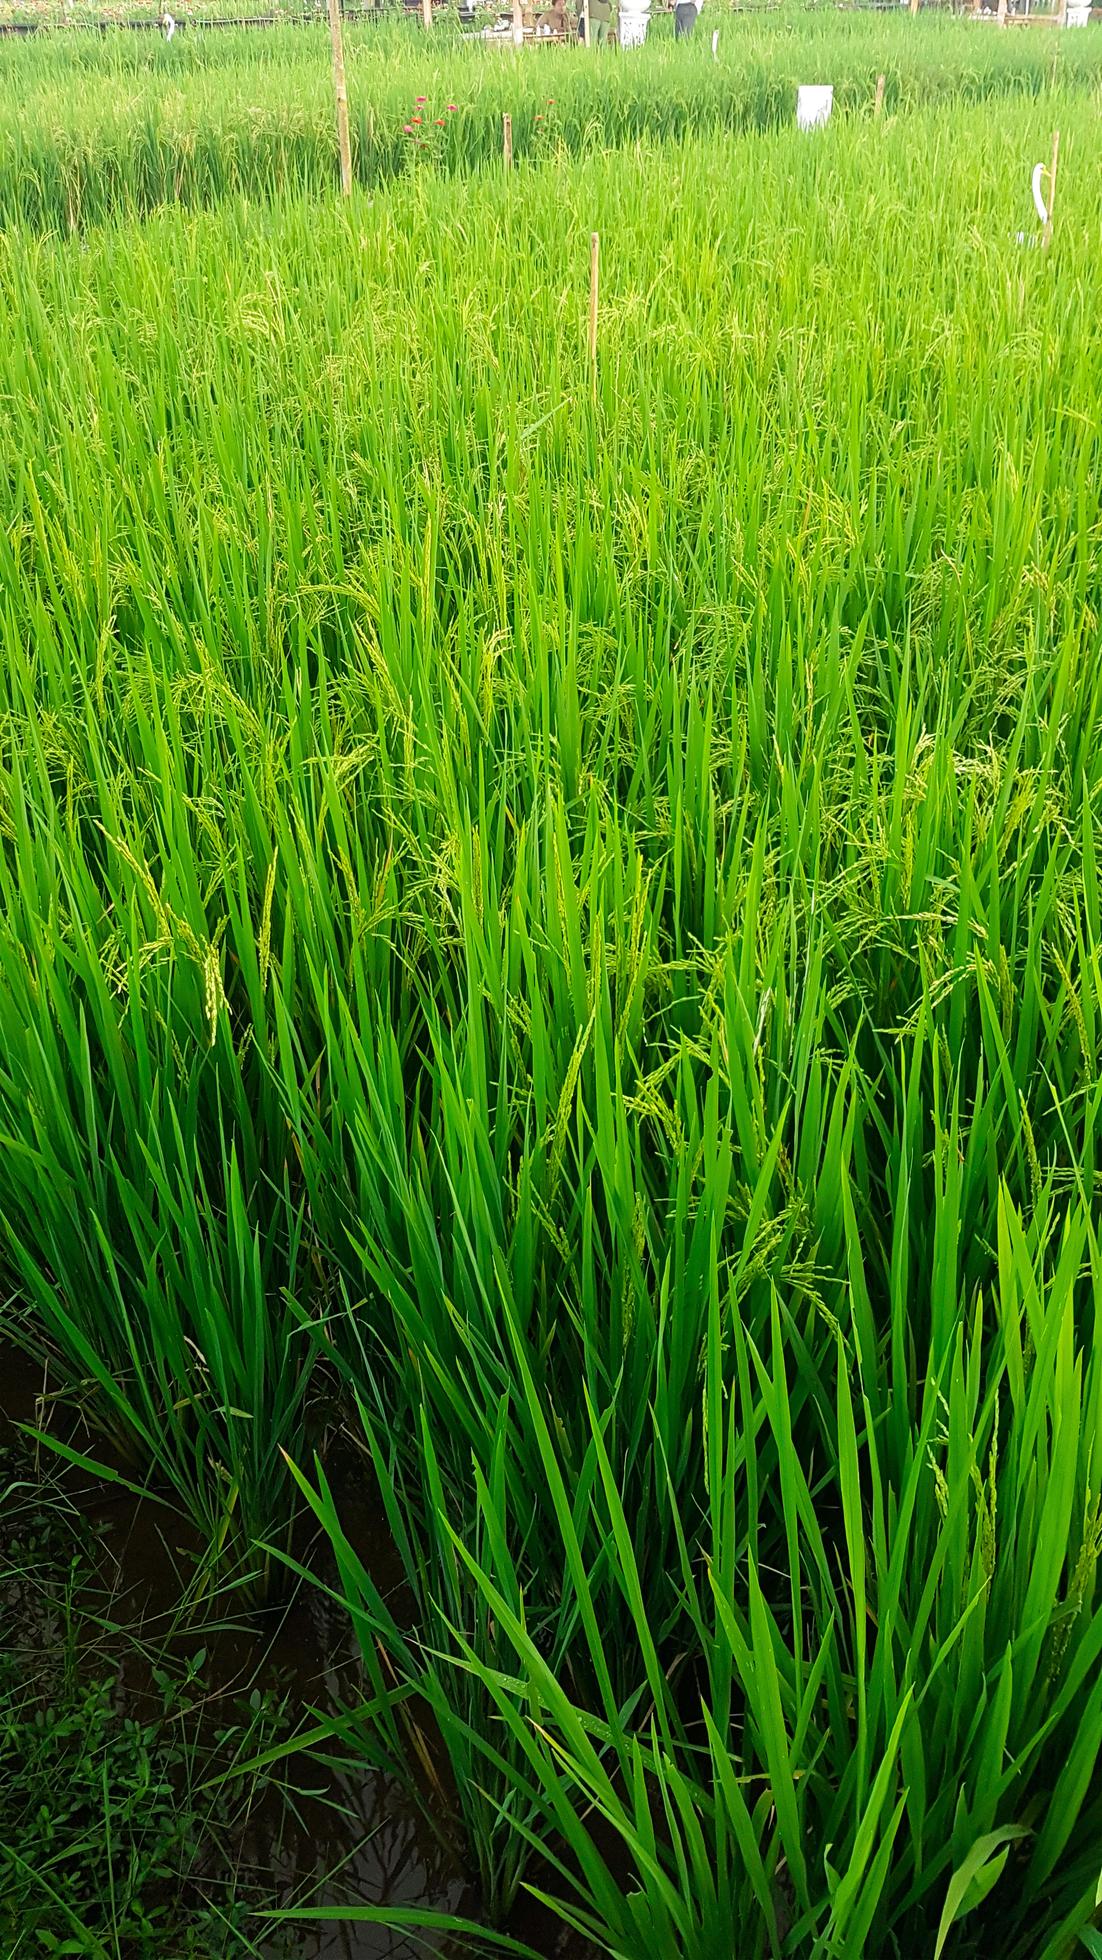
<point x="346" y="1838"/>
<point x="343" y="1838"/>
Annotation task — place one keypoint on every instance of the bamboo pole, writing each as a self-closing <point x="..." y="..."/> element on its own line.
<point x="1002" y="13"/>
<point x="426" y="13"/>
<point x="594" y="282"/>
<point x="507" y="141"/>
<point x="880" y="95"/>
<point x="914" y="6"/>
<point x="340" y="91"/>
<point x="518" y="25"/>
<point x="585" y="22"/>
<point x="1046" y="235"/>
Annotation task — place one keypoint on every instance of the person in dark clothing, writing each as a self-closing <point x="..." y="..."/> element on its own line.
<point x="684" y="18"/>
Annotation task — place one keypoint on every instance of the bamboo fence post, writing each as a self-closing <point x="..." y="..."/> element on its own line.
<point x="340" y="91"/>
<point x="1002" y="13"/>
<point x="880" y="95"/>
<point x="426" y="13"/>
<point x="1046" y="235"/>
<point x="585" y="22"/>
<point x="594" y="281"/>
<point x="507" y="141"/>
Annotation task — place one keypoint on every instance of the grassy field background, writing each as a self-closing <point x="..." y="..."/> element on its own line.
<point x="561" y="916"/>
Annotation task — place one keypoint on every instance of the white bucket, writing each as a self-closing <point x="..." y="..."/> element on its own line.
<point x="813" y="106"/>
<point x="1078" y="14"/>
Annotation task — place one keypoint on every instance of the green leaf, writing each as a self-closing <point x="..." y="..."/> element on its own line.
<point x="974" y="1878"/>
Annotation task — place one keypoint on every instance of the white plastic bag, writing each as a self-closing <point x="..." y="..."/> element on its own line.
<point x="813" y="106"/>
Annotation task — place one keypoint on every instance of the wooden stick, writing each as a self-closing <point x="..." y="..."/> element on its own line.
<point x="585" y="21"/>
<point x="594" y="280"/>
<point x="1046" y="235"/>
<point x="880" y="95"/>
<point x="341" y="93"/>
<point x="914" y="6"/>
<point x="426" y="13"/>
<point x="507" y="141"/>
<point x="1002" y="13"/>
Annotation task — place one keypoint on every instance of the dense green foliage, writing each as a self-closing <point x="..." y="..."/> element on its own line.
<point x="575" y="910"/>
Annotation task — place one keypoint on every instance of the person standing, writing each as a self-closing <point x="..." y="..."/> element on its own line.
<point x="600" y="14"/>
<point x="684" y="18"/>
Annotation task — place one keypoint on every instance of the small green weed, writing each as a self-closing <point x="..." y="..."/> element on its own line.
<point x="108" y="1847"/>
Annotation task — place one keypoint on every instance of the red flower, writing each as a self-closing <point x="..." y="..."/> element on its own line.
<point x="420" y="99"/>
<point x="416" y="119"/>
<point x="439" y="122"/>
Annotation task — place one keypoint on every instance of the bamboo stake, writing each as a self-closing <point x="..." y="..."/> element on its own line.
<point x="1002" y="13"/>
<point x="341" y="93"/>
<point x="1046" y="235"/>
<point x="594" y="281"/>
<point x="880" y="95"/>
<point x="585" y="22"/>
<point x="518" y="25"/>
<point x="914" y="6"/>
<point x="426" y="13"/>
<point x="507" y="141"/>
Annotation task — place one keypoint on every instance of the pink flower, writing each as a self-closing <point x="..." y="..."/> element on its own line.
<point x="453" y="108"/>
<point x="408" y="128"/>
<point x="420" y="99"/>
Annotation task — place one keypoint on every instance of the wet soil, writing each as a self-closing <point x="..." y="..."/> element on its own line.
<point x="320" y="1835"/>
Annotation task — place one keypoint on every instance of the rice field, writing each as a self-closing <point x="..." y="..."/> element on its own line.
<point x="550" y="932"/>
<point x="93" y="128"/>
